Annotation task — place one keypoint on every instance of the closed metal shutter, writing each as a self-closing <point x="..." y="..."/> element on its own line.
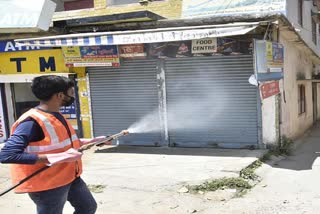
<point x="122" y="96"/>
<point x="211" y="103"/>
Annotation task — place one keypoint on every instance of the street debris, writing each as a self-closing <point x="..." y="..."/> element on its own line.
<point x="183" y="190"/>
<point x="96" y="188"/>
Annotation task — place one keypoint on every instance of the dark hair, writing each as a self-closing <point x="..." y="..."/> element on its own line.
<point x="44" y="87"/>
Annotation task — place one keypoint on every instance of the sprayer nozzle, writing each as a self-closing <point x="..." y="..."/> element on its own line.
<point x="125" y="132"/>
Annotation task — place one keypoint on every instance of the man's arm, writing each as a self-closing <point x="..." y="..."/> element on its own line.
<point x="13" y="150"/>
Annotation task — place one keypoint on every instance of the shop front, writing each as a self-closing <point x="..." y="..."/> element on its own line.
<point x="189" y="86"/>
<point x="19" y="65"/>
<point x="206" y="100"/>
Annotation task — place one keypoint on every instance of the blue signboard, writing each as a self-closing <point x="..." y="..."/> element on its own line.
<point x="11" y="46"/>
<point x="69" y="111"/>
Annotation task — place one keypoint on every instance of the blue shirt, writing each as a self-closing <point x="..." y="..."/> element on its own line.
<point x="26" y="132"/>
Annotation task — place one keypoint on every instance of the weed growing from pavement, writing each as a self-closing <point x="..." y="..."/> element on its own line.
<point x="248" y="173"/>
<point x="241" y="183"/>
<point x="222" y="183"/>
<point x="284" y="147"/>
<point x="248" y="178"/>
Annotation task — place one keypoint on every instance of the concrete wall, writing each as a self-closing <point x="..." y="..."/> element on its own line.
<point x="305" y="30"/>
<point x="269" y="120"/>
<point x="167" y="9"/>
<point x="293" y="124"/>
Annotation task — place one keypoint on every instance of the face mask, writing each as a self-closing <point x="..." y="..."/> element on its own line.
<point x="68" y="102"/>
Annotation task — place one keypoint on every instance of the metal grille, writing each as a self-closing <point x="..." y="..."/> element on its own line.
<point x="211" y="103"/>
<point x="122" y="96"/>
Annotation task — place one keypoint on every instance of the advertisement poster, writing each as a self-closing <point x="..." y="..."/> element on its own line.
<point x="170" y="50"/>
<point x="198" y="8"/>
<point x="70" y="114"/>
<point x="3" y="135"/>
<point x="83" y="56"/>
<point x="135" y="51"/>
<point x="275" y="56"/>
<point x="269" y="59"/>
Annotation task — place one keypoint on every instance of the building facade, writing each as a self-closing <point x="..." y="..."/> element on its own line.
<point x="181" y="72"/>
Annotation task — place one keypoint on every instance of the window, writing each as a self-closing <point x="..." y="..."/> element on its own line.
<point x="301" y="99"/>
<point x="124" y="2"/>
<point x="121" y="2"/>
<point x="314" y="31"/>
<point x="65" y="5"/>
<point x="300" y="12"/>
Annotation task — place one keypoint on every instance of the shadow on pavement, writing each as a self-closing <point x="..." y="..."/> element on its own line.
<point x="183" y="151"/>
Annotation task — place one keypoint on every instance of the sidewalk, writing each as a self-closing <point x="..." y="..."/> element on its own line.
<point x="145" y="179"/>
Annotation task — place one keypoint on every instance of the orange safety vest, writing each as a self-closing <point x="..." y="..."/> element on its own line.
<point x="56" y="140"/>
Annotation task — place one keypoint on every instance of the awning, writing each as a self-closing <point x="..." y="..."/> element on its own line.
<point x="141" y="36"/>
<point x="25" y="78"/>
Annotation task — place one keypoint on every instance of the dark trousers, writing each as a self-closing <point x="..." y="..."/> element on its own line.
<point x="77" y="193"/>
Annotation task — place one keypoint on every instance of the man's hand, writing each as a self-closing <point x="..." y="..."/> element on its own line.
<point x="70" y="155"/>
<point x="85" y="141"/>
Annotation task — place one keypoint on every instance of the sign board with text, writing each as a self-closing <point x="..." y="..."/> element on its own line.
<point x="269" y="59"/>
<point x="32" y="62"/>
<point x="69" y="112"/>
<point x="269" y="89"/>
<point x="26" y="16"/>
<point x="83" y="56"/>
<point x="204" y="45"/>
<point x="201" y="8"/>
<point x="135" y="51"/>
<point x="11" y="46"/>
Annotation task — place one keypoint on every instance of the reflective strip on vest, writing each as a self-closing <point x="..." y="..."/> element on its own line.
<point x="36" y="149"/>
<point x="52" y="133"/>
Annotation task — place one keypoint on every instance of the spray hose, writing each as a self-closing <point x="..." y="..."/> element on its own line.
<point x="81" y="149"/>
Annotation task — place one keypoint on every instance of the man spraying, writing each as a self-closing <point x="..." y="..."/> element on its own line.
<point x="42" y="136"/>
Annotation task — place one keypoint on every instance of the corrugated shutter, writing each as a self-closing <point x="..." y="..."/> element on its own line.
<point x="122" y="96"/>
<point x="211" y="103"/>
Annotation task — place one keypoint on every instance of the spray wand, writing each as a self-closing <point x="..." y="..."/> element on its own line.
<point x="102" y="142"/>
<point x="81" y="149"/>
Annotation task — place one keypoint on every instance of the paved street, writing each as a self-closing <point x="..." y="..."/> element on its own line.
<point x="291" y="186"/>
<point x="146" y="180"/>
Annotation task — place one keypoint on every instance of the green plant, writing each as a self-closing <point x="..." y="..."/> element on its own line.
<point x="96" y="188"/>
<point x="222" y="183"/>
<point x="249" y="171"/>
<point x="285" y="146"/>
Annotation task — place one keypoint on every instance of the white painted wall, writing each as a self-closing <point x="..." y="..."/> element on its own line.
<point x="269" y="129"/>
<point x="305" y="30"/>
<point x="294" y="125"/>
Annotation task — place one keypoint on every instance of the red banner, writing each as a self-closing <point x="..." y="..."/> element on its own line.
<point x="269" y="89"/>
<point x="132" y="51"/>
